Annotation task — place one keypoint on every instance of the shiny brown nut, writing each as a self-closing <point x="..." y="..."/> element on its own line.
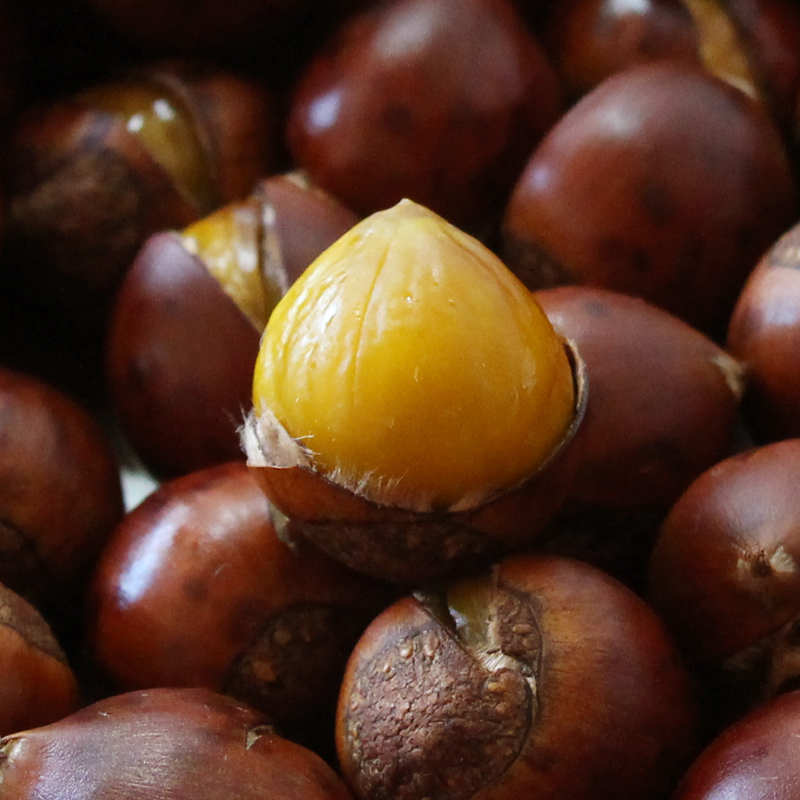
<point x="60" y="496"/>
<point x="161" y="745"/>
<point x="663" y="407"/>
<point x="756" y="757"/>
<point x="90" y="176"/>
<point x="195" y="589"/>
<point x="663" y="182"/>
<point x="38" y="685"/>
<point x="541" y="678"/>
<point x="185" y="326"/>
<point x="724" y="577"/>
<point x="751" y="43"/>
<point x="764" y="333"/>
<point x="439" y="101"/>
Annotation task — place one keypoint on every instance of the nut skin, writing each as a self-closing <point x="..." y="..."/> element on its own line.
<point x="663" y="407"/>
<point x="682" y="231"/>
<point x="764" y="333"/>
<point x="163" y="744"/>
<point x="756" y="757"/>
<point x="60" y="496"/>
<point x="179" y="354"/>
<point x="447" y="122"/>
<point x="723" y="575"/>
<point x="195" y="589"/>
<point x="408" y="547"/>
<point x="569" y="655"/>
<point x="39" y="686"/>
<point x="83" y="192"/>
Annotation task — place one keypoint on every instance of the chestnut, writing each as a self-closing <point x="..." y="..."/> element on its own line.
<point x="195" y="589"/>
<point x="160" y="744"/>
<point x="88" y="177"/>
<point x="663" y="407"/>
<point x="540" y="677"/>
<point x="753" y="44"/>
<point x="60" y="496"/>
<point x="756" y="757"/>
<point x="412" y="404"/>
<point x="764" y="333"/>
<point x="184" y="330"/>
<point x="663" y="182"/>
<point x="38" y="685"/>
<point x="438" y="101"/>
<point x="723" y="576"/>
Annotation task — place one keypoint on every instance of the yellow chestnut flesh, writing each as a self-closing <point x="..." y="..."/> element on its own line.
<point x="228" y="243"/>
<point x="414" y="367"/>
<point x="165" y="128"/>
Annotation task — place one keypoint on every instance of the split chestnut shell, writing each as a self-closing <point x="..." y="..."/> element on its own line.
<point x="412" y="402"/>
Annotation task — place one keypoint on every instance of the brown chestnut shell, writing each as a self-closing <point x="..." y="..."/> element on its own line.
<point x="404" y="546"/>
<point x="546" y="676"/>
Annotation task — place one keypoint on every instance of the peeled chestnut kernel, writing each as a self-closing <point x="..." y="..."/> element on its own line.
<point x="90" y="176"/>
<point x="663" y="408"/>
<point x="408" y="379"/>
<point x="185" y="326"/>
<point x="753" y="44"/>
<point x="541" y="678"/>
<point x="159" y="744"/>
<point x="60" y="496"/>
<point x="440" y="101"/>
<point x="272" y="628"/>
<point x="764" y="333"/>
<point x="664" y="182"/>
<point x="723" y="575"/>
<point x="38" y="685"/>
<point x="756" y="758"/>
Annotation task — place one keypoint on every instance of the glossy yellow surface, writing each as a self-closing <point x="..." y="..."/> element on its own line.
<point x="165" y="128"/>
<point x="228" y="243"/>
<point x="414" y="366"/>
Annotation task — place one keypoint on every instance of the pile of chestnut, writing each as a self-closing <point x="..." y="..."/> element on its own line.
<point x="168" y="170"/>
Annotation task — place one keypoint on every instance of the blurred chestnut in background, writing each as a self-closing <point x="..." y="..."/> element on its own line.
<point x="754" y="44"/>
<point x="723" y="575"/>
<point x="159" y="744"/>
<point x="662" y="408"/>
<point x="195" y="589"/>
<point x="540" y="678"/>
<point x="60" y="496"/>
<point x="764" y="333"/>
<point x="756" y="758"/>
<point x="89" y="176"/>
<point x="185" y="327"/>
<point x="38" y="685"/>
<point x="439" y="101"/>
<point x="663" y="182"/>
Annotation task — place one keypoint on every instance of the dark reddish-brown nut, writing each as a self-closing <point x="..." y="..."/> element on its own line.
<point x="163" y="744"/>
<point x="662" y="408"/>
<point x="764" y="334"/>
<point x="751" y="43"/>
<point x="38" y="685"/>
<point x="724" y="574"/>
<point x="542" y="678"/>
<point x="60" y="495"/>
<point x="755" y="758"/>
<point x="185" y="325"/>
<point x="663" y="182"/>
<point x="90" y="176"/>
<point x="195" y="589"/>
<point x="439" y="101"/>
